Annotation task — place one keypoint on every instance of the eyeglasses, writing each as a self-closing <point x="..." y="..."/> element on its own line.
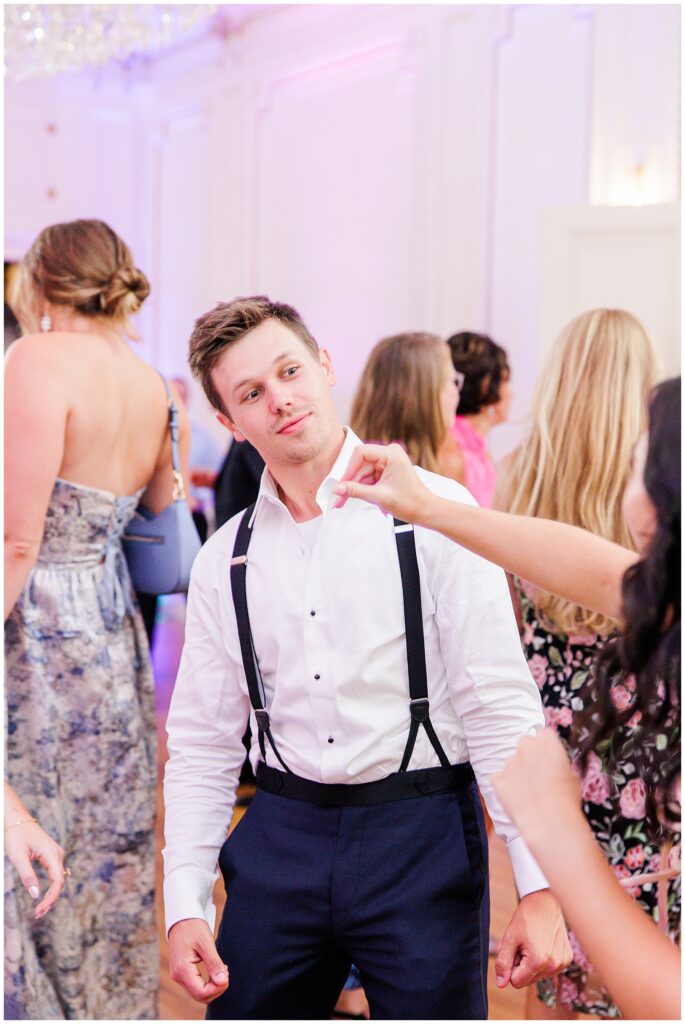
<point x="459" y="380"/>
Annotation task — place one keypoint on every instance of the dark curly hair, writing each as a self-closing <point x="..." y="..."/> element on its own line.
<point x="648" y="649"/>
<point x="484" y="364"/>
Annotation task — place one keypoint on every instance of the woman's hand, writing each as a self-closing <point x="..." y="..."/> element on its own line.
<point x="384" y="476"/>
<point x="538" y="787"/>
<point x="26" y="841"/>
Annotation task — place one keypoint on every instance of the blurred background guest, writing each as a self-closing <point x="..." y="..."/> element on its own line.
<point x="589" y="411"/>
<point x="408" y="392"/>
<point x="484" y="402"/>
<point x="236" y="484"/>
<point x="86" y="439"/>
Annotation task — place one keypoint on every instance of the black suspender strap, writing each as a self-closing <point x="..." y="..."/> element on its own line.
<point x="419" y="706"/>
<point x="255" y="684"/>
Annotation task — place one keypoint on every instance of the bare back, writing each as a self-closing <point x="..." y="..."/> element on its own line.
<point x="86" y="409"/>
<point x="116" y="435"/>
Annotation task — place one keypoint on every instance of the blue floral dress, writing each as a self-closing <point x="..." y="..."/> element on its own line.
<point x="81" y="753"/>
<point x="613" y="795"/>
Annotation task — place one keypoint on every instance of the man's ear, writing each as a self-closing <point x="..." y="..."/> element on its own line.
<point x="327" y="366"/>
<point x="227" y="422"/>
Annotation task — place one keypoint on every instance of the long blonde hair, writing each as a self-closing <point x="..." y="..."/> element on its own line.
<point x="589" y="410"/>
<point x="398" y="397"/>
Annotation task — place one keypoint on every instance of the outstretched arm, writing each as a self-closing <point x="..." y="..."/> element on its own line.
<point x="561" y="559"/>
<point x="638" y="964"/>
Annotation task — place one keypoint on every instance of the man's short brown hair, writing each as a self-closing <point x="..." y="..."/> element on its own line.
<point x="222" y="326"/>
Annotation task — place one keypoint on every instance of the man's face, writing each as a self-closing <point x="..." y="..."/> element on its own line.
<point x="277" y="394"/>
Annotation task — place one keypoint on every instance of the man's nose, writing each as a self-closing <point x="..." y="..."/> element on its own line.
<point x="279" y="396"/>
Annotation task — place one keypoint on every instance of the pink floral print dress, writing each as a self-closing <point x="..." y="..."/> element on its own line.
<point x="613" y="796"/>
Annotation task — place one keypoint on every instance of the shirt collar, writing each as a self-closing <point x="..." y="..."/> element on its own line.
<point x="268" y="491"/>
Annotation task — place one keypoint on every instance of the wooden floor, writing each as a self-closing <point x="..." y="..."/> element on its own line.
<point x="175" y="1005"/>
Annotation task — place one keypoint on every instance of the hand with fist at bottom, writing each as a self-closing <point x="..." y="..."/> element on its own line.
<point x="191" y="944"/>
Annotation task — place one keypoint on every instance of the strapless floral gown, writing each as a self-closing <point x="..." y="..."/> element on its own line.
<point x="81" y="753"/>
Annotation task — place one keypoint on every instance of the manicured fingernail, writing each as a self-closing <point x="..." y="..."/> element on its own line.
<point x="34" y="891"/>
<point x="221" y="977"/>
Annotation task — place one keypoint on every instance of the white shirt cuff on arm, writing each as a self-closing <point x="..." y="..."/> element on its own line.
<point x="188" y="893"/>
<point x="527" y="874"/>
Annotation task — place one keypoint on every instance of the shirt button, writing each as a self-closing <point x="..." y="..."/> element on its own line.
<point x="331" y="740"/>
<point x="312" y="612"/>
<point x="317" y="676"/>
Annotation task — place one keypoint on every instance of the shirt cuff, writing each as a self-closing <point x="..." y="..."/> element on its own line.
<point x="527" y="874"/>
<point x="188" y="894"/>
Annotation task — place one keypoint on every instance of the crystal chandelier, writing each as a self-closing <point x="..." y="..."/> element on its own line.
<point x="48" y="39"/>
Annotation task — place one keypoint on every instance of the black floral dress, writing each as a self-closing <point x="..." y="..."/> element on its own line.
<point x="613" y="797"/>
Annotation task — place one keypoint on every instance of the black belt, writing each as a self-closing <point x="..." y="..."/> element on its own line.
<point x="398" y="786"/>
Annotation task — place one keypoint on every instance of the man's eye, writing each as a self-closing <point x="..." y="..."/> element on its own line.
<point x="250" y="395"/>
<point x="291" y="371"/>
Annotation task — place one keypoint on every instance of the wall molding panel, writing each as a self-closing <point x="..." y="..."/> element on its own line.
<point x="618" y="257"/>
<point x="384" y="167"/>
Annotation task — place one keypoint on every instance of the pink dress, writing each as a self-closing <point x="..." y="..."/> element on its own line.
<point x="481" y="475"/>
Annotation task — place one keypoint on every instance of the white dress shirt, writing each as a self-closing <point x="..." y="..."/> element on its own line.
<point x="327" y="617"/>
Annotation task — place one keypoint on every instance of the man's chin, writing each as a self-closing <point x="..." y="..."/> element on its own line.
<point x="300" y="448"/>
<point x="301" y="452"/>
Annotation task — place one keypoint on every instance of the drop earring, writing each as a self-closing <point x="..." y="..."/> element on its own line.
<point x="46" y="323"/>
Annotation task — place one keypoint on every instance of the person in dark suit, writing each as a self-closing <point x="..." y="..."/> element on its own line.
<point x="237" y="482"/>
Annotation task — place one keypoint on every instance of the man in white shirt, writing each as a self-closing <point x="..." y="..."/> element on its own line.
<point x="365" y="840"/>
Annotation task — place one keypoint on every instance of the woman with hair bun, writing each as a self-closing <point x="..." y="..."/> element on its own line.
<point x="484" y="403"/>
<point x="86" y="439"/>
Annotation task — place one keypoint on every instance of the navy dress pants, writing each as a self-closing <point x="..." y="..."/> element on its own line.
<point x="400" y="889"/>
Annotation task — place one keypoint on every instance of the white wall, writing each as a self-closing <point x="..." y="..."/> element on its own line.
<point x="382" y="168"/>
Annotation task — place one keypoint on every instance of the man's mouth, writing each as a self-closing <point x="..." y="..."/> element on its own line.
<point x="291" y="425"/>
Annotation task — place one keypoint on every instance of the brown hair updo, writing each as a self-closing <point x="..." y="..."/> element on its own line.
<point x="85" y="266"/>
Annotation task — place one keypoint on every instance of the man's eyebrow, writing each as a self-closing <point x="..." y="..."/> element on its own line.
<point x="249" y="380"/>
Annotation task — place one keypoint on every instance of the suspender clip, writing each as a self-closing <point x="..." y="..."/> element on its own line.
<point x="239" y="560"/>
<point x="419" y="709"/>
<point x="262" y="716"/>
